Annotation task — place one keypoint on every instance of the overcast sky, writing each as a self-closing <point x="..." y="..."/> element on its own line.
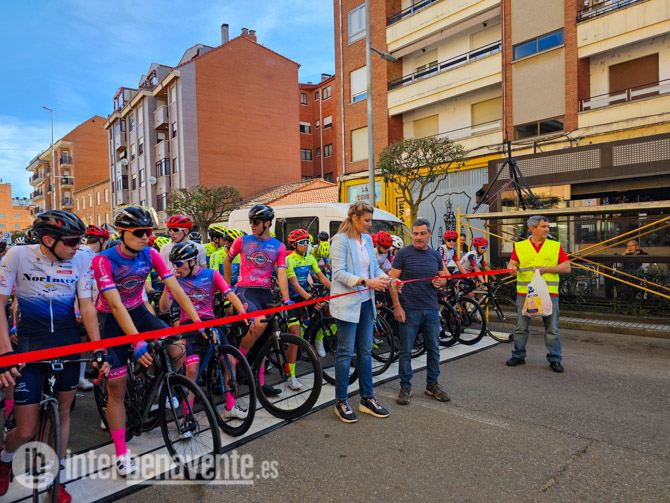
<point x="72" y="56"/>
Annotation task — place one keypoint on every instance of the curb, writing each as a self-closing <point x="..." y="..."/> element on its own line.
<point x="615" y="328"/>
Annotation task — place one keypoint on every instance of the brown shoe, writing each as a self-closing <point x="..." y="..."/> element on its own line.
<point x="437" y="393"/>
<point x="404" y="395"/>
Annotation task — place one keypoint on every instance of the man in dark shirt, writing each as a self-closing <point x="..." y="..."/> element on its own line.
<point x="416" y="308"/>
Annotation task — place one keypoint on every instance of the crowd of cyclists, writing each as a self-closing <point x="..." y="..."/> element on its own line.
<point x="65" y="279"/>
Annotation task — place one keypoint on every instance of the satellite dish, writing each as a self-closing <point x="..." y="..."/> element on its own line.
<point x="124" y="162"/>
<point x="152" y="180"/>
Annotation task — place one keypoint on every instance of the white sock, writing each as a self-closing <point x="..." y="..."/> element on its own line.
<point x="82" y="369"/>
<point x="6" y="457"/>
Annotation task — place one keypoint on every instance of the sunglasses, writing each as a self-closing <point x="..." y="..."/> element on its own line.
<point x="175" y="229"/>
<point x="139" y="233"/>
<point x="71" y="242"/>
<point x="255" y="222"/>
<point x="482" y="247"/>
<point x="303" y="242"/>
<point x="450" y="240"/>
<point x="179" y="263"/>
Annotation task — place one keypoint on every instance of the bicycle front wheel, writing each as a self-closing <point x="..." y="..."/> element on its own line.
<point x="276" y="396"/>
<point x="502" y="319"/>
<point x="325" y="330"/>
<point x="47" y="435"/>
<point x="472" y="320"/>
<point x="450" y="327"/>
<point x="190" y="430"/>
<point x="230" y="375"/>
<point x="383" y="346"/>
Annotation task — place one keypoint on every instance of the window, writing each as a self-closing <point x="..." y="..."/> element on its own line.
<point x="636" y="73"/>
<point x="142" y="178"/>
<point x="132" y="152"/>
<point x="303" y="98"/>
<point x="133" y="182"/>
<point x="131" y="122"/>
<point x="318" y="151"/>
<point x="327" y="93"/>
<point x="428" y="126"/>
<point x="140" y="145"/>
<point x="539" y="44"/>
<point x="284" y="226"/>
<point x="328" y="177"/>
<point x="426" y="64"/>
<point x="16" y="215"/>
<point x="106" y="195"/>
<point x="97" y="197"/>
<point x="161" y="201"/>
<point x="305" y="127"/>
<point x="98" y="219"/>
<point x="538" y="128"/>
<point x="486" y="111"/>
<point x="328" y="122"/>
<point x="359" y="84"/>
<point x="305" y="154"/>
<point x="77" y="204"/>
<point x="139" y="114"/>
<point x="316" y="96"/>
<point x="173" y="94"/>
<point x="328" y="150"/>
<point x="174" y="129"/>
<point x="163" y="167"/>
<point x="356" y="23"/>
<point x="318" y="124"/>
<point x="17" y="226"/>
<point x="121" y="184"/>
<point x="83" y="203"/>
<point x="90" y="198"/>
<point x="359" y="144"/>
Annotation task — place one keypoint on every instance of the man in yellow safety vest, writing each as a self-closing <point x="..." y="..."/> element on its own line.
<point x="538" y="252"/>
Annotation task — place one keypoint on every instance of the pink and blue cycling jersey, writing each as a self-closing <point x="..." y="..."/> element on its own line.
<point x="258" y="260"/>
<point x="113" y="269"/>
<point x="201" y="289"/>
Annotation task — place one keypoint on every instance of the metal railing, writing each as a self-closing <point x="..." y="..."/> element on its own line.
<point x="65" y="160"/>
<point x="598" y="8"/>
<point x="468" y="131"/>
<point x="447" y="65"/>
<point x="409" y="11"/>
<point x="66" y="201"/>
<point x="625" y="96"/>
<point x="67" y="181"/>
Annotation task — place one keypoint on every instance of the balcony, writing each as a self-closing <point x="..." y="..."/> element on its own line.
<point x="67" y="181"/>
<point x="641" y="103"/>
<point x="161" y="119"/>
<point x="37" y="178"/>
<point x="49" y="189"/>
<point x="65" y="160"/>
<point x="609" y="24"/>
<point x="471" y="137"/>
<point x="120" y="141"/>
<point x="37" y="195"/>
<point x="431" y="19"/>
<point x="447" y="79"/>
<point x="67" y="202"/>
<point x="162" y="150"/>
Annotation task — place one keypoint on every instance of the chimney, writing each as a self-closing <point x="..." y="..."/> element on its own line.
<point x="245" y="31"/>
<point x="253" y="34"/>
<point x="224" y="33"/>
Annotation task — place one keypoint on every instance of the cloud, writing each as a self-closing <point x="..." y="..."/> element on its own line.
<point x="20" y="142"/>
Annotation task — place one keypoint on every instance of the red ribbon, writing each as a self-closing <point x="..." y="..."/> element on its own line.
<point x="83" y="347"/>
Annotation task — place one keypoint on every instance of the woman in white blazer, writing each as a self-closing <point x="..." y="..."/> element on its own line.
<point x="355" y="268"/>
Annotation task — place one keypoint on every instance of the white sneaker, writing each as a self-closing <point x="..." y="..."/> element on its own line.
<point x="294" y="384"/>
<point x="175" y="402"/>
<point x="320" y="349"/>
<point x="236" y="412"/>
<point x="125" y="465"/>
<point x="85" y="384"/>
<point x="102" y="425"/>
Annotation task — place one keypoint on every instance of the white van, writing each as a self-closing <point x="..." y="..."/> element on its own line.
<point x="318" y="217"/>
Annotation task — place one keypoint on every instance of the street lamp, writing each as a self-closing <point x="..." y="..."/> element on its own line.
<point x="368" y="63"/>
<point x="53" y="158"/>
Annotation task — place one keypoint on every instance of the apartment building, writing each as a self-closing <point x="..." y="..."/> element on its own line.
<point x="93" y="204"/>
<point x="317" y="118"/>
<point x="216" y="118"/>
<point x="79" y="159"/>
<point x="579" y="88"/>
<point x="15" y="212"/>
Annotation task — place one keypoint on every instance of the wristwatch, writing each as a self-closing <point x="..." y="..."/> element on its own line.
<point x="362" y="282"/>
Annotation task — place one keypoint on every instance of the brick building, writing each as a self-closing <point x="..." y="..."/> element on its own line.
<point x="317" y="118"/>
<point x="217" y="118"/>
<point x="80" y="160"/>
<point x="16" y="213"/>
<point x="93" y="204"/>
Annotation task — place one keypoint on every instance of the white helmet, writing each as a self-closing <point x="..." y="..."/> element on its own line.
<point x="397" y="242"/>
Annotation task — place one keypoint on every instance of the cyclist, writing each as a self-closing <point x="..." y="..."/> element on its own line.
<point x="219" y="256"/>
<point x="397" y="245"/>
<point x="449" y="252"/>
<point x="216" y="233"/>
<point x="48" y="277"/>
<point x="3" y="250"/>
<point x="200" y="285"/>
<point x="299" y="266"/>
<point x="179" y="227"/>
<point x="261" y="253"/>
<point x="475" y="261"/>
<point x="323" y="254"/>
<point x="121" y="273"/>
<point x="196" y="237"/>
<point x="384" y="243"/>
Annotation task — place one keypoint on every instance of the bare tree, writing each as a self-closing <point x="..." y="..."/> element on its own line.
<point x="413" y="164"/>
<point x="205" y="205"/>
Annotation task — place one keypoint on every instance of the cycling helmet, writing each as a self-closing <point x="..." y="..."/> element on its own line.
<point x="180" y="221"/>
<point x="152" y="240"/>
<point x="3" y="245"/>
<point x="374" y="239"/>
<point x="273" y="234"/>
<point x="384" y="239"/>
<point x="20" y="241"/>
<point x="233" y="234"/>
<point x="216" y="231"/>
<point x="133" y="217"/>
<point x="261" y="212"/>
<point x="323" y="236"/>
<point x="59" y="223"/>
<point x="450" y="234"/>
<point x="311" y="239"/>
<point x="112" y="243"/>
<point x="480" y="242"/>
<point x="397" y="242"/>
<point x="160" y="241"/>
<point x="297" y="235"/>
<point x="183" y="251"/>
<point x="31" y="237"/>
<point x="195" y="236"/>
<point x="96" y="230"/>
<point x="323" y="250"/>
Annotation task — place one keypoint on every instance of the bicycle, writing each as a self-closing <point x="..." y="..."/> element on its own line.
<point x="190" y="431"/>
<point x="469" y="314"/>
<point x="504" y="308"/>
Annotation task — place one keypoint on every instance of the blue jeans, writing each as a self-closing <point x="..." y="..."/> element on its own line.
<point x="428" y="321"/>
<point x="358" y="335"/>
<point x="551" y="338"/>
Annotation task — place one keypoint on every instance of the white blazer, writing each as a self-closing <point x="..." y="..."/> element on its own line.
<point x="346" y="273"/>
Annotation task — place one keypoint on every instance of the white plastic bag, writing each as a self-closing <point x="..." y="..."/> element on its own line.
<point x="538" y="300"/>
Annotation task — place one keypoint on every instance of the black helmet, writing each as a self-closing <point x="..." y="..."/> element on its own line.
<point x="59" y="223"/>
<point x="112" y="243"/>
<point x="183" y="251"/>
<point x="31" y="237"/>
<point x="20" y="241"/>
<point x="323" y="236"/>
<point x="3" y="245"/>
<point x="261" y="212"/>
<point x="133" y="217"/>
<point x="195" y="236"/>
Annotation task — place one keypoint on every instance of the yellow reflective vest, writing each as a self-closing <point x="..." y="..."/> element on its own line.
<point x="529" y="259"/>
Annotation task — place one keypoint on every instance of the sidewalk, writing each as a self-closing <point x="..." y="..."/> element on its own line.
<point x="613" y="323"/>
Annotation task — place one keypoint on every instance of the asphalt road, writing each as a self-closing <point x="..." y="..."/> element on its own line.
<point x="597" y="433"/>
